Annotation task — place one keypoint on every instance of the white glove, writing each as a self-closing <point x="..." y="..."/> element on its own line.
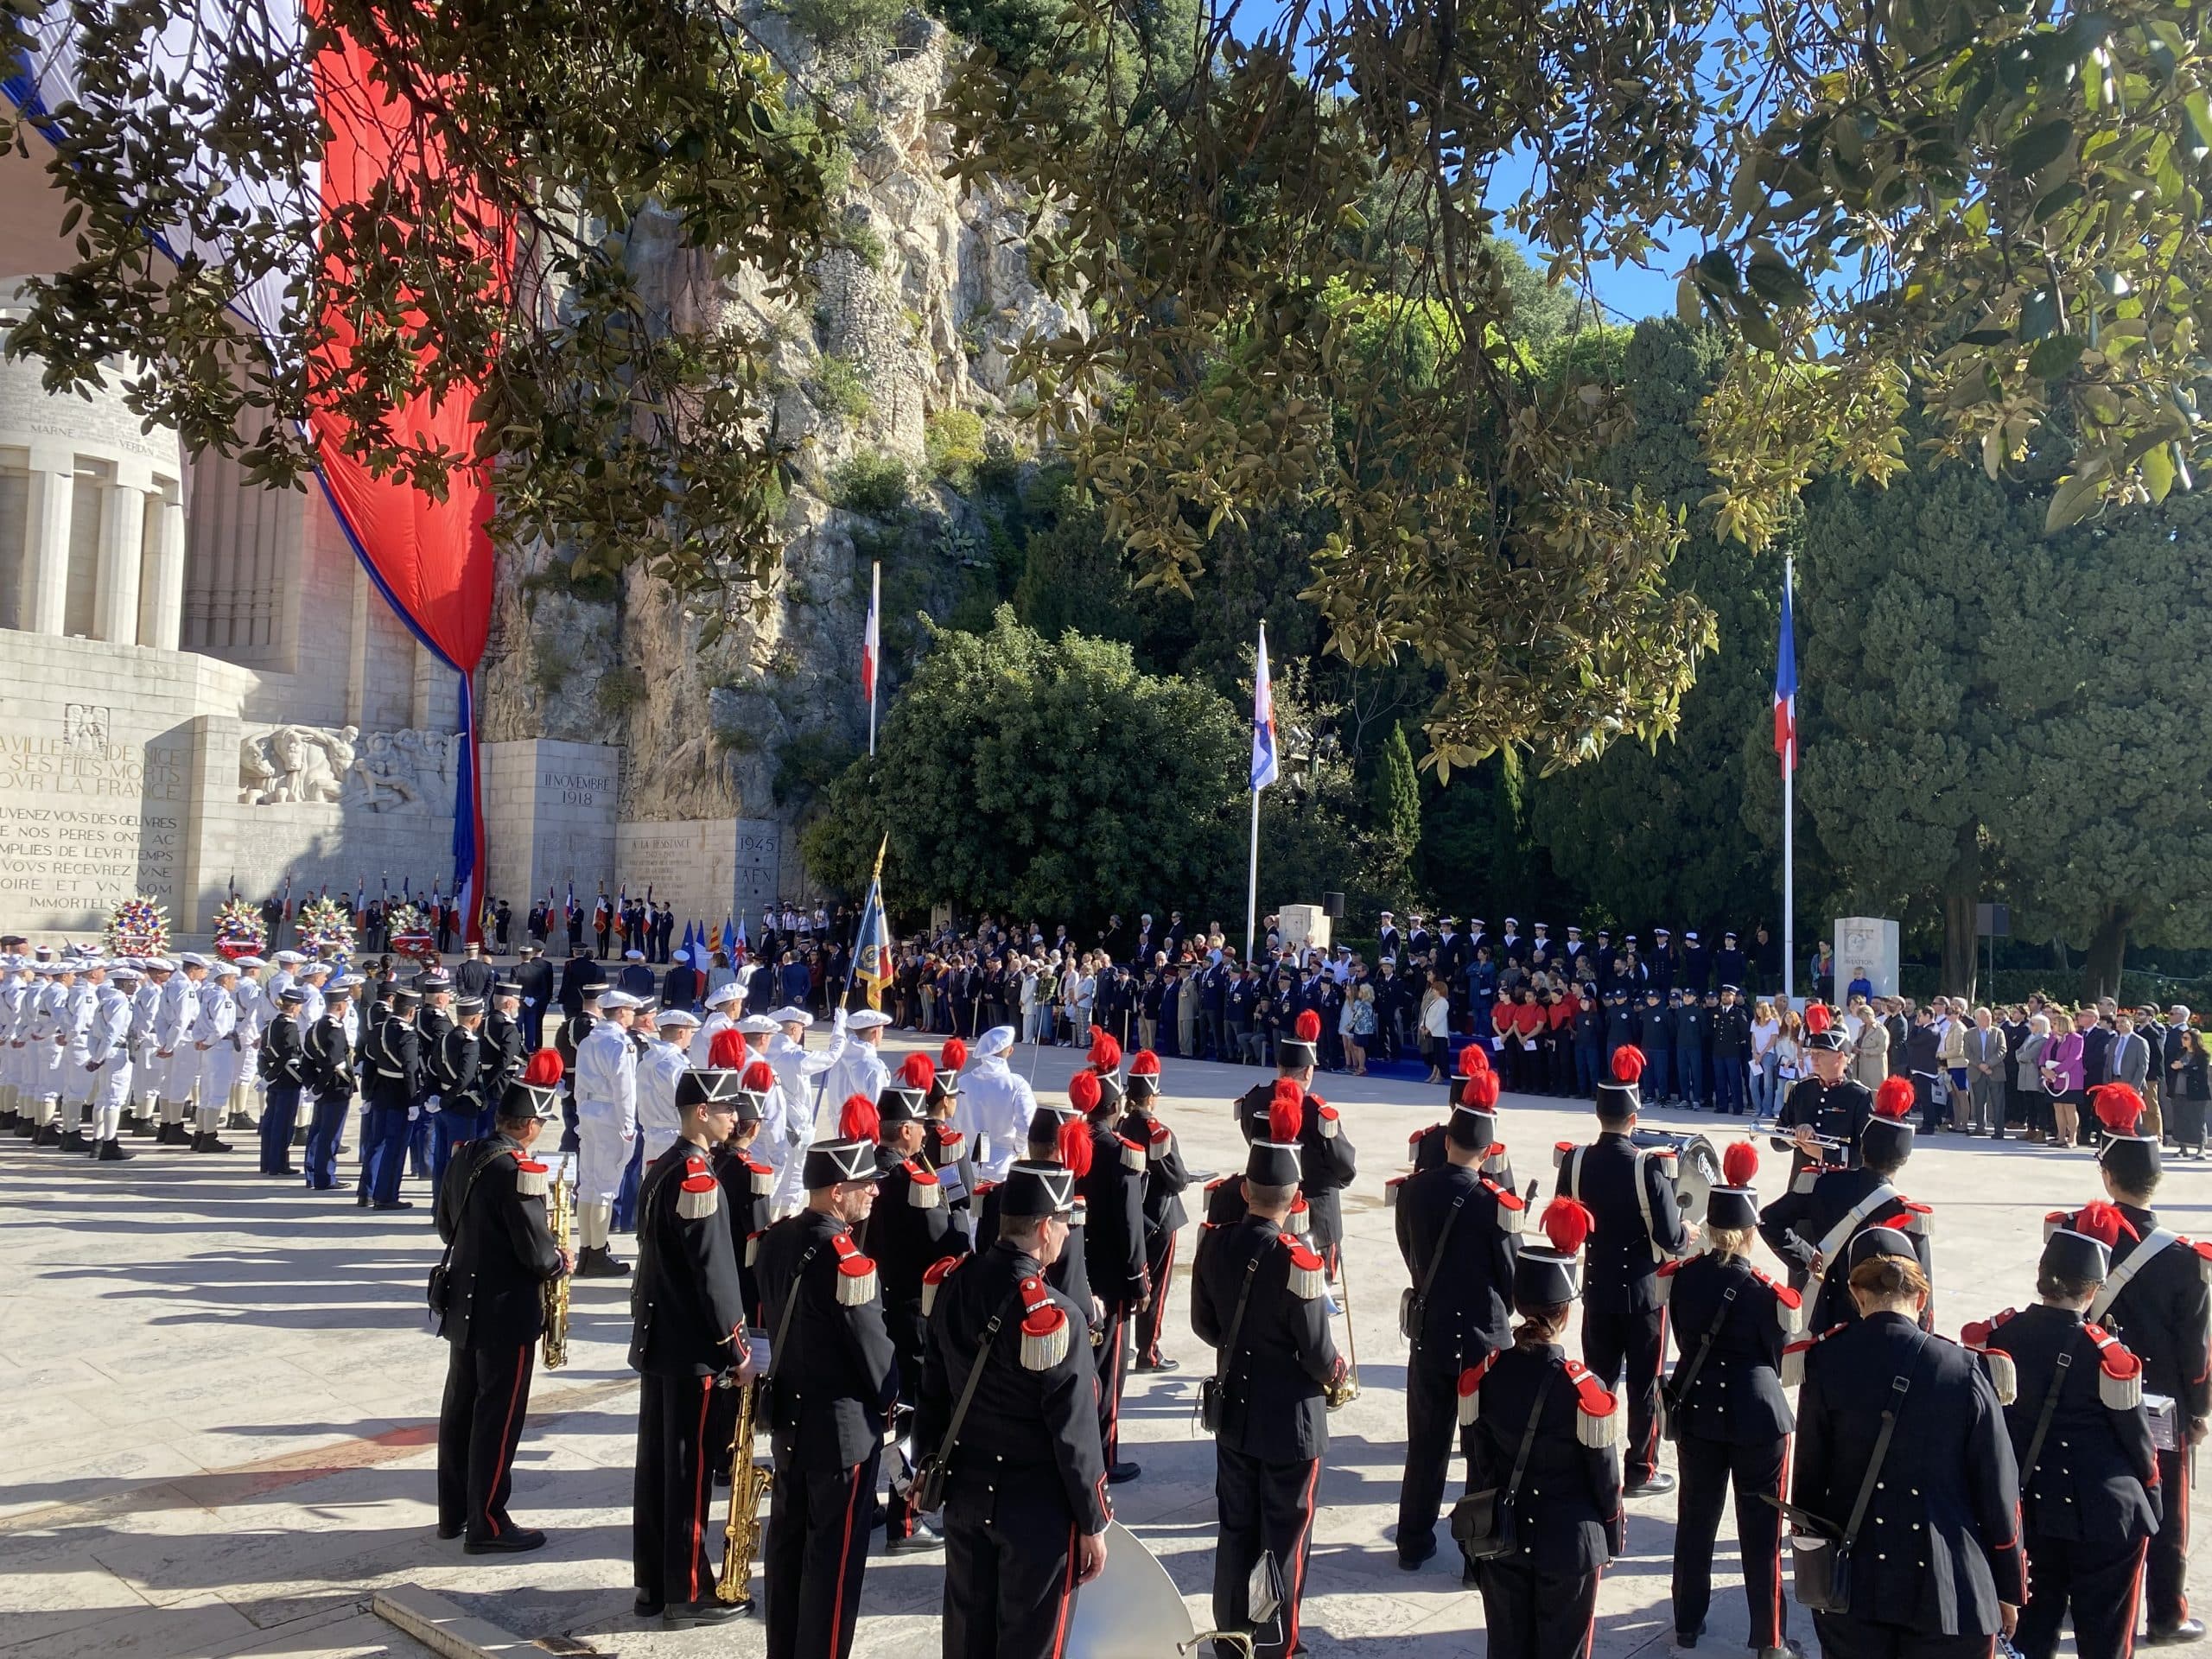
<point x="431" y="1104"/>
<point x="413" y="1113"/>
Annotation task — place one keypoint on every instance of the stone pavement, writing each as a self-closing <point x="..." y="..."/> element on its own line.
<point x="223" y="1403"/>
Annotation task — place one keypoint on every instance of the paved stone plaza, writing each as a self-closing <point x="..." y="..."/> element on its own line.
<point x="223" y="1400"/>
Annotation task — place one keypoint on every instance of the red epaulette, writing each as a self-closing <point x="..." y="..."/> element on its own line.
<point x="1307" y="1274"/>
<point x="1664" y="1276"/>
<point x="1512" y="1208"/>
<point x="1390" y="1189"/>
<point x="531" y="1176"/>
<point x="1494" y="1159"/>
<point x="1470" y="1384"/>
<point x="938" y="1272"/>
<point x="1133" y="1152"/>
<point x="1788" y="1304"/>
<point x="2054" y="1219"/>
<point x="856" y="1283"/>
<point x="2002" y="1377"/>
<point x="1911" y="1219"/>
<point x="1559" y="1151"/>
<point x="2203" y="1256"/>
<point x="951" y="1140"/>
<point x="1220" y="1181"/>
<point x="1302" y="1217"/>
<point x="1597" y="1408"/>
<point x="923" y="1191"/>
<point x="1162" y="1137"/>
<point x="700" y="1194"/>
<point x="1044" y="1327"/>
<point x="1325" y="1115"/>
<point x="1419" y="1136"/>
<point x="763" y="1178"/>
<point x="2120" y="1373"/>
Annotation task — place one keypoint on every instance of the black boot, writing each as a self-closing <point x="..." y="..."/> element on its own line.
<point x="48" y="1136"/>
<point x="112" y="1151"/>
<point x="237" y="1121"/>
<point x="74" y="1141"/>
<point x="594" y="1263"/>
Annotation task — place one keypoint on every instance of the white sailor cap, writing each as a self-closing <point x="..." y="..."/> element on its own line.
<point x="346" y="984"/>
<point x="789" y="1015"/>
<point x="634" y="956"/>
<point x="725" y="992"/>
<point x="667" y="1017"/>
<point x="290" y="958"/>
<point x="159" y="965"/>
<point x="997" y="1040"/>
<point x="251" y="962"/>
<point x="615" y="1000"/>
<point x="314" y="965"/>
<point x="193" y="959"/>
<point x="866" y="1019"/>
<point x="225" y="969"/>
<point x="123" y="971"/>
<point x="758" y="1025"/>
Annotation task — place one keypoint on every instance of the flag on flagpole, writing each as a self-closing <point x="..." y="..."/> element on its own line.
<point x="730" y="937"/>
<point x="691" y="936"/>
<point x="1785" y="687"/>
<point x="1266" y="767"/>
<point x="872" y="952"/>
<point x="872" y="651"/>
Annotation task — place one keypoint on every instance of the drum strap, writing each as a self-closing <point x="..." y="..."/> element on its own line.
<point x="1642" y="1193"/>
<point x="1837" y="1236"/>
<point x="2122" y="1275"/>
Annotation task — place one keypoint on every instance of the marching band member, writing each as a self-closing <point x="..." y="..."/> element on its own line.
<point x="1327" y="1157"/>
<point x="1165" y="1180"/>
<point x="1813" y="1223"/>
<point x="1830" y="1103"/>
<point x="946" y="1148"/>
<point x="1112" y="1194"/>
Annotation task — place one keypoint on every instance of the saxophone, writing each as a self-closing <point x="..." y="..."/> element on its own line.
<point x="749" y="1484"/>
<point x="560" y="1217"/>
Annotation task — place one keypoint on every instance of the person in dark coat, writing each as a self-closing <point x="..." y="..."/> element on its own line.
<point x="1056" y="1135"/>
<point x="503" y="1053"/>
<point x="688" y="1340"/>
<point x="2157" y="1299"/>
<point x="282" y="1066"/>
<point x="392" y="1079"/>
<point x="1164" y="1179"/>
<point x="1024" y="1508"/>
<point x="576" y="974"/>
<point x="1629" y="1192"/>
<point x="1113" y="1192"/>
<point x="1457" y="1233"/>
<point x="1327" y="1160"/>
<point x="1947" y="1482"/>
<point x="1830" y="1104"/>
<point x="2073" y="1399"/>
<point x="1812" y="1225"/>
<point x="1257" y="1295"/>
<point x="491" y="1215"/>
<point x="1540" y="1599"/>
<point x="534" y="982"/>
<point x="328" y="1067"/>
<point x="1730" y="1419"/>
<point x="837" y="1378"/>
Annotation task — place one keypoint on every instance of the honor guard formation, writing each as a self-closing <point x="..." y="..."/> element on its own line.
<point x="922" y="1314"/>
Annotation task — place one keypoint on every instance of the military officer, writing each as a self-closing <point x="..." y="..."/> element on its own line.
<point x="568" y="1042"/>
<point x="107" y="1061"/>
<point x="1630" y="1191"/>
<point x="996" y="1103"/>
<point x="504" y="1048"/>
<point x="721" y="1003"/>
<point x="15" y="980"/>
<point x="146" y="1084"/>
<point x="1903" y="1429"/>
<point x="666" y="1057"/>
<point x="255" y="1012"/>
<point x="2156" y="1299"/>
<point x="1257" y="1296"/>
<point x="689" y="1339"/>
<point x="1810" y="1225"/>
<point x="1327" y="1157"/>
<point x="2073" y="1399"/>
<point x="1457" y="1233"/>
<point x="328" y="1071"/>
<point x="433" y="1018"/>
<point x="491" y="1214"/>
<point x="216" y="1046"/>
<point x="1831" y="1103"/>
<point x="836" y="1378"/>
<point x="1164" y="1179"/>
<point x="392" y="1081"/>
<point x="283" y="1064"/>
<point x="1730" y="1419"/>
<point x="73" y="1034"/>
<point x="1540" y="1597"/>
<point x="534" y="981"/>
<point x="1025" y="1511"/>
<point x="453" y="1071"/>
<point x="606" y="1095"/>
<point x="1113" y="1193"/>
<point x="176" y="1038"/>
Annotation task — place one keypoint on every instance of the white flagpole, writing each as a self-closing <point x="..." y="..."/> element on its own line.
<point x="876" y="667"/>
<point x="1252" y="883"/>
<point x="1789" y="828"/>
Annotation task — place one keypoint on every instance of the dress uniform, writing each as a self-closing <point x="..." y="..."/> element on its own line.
<point x="450" y="1075"/>
<point x="576" y="1025"/>
<point x="218" y="1048"/>
<point x="1165" y="1178"/>
<point x="1731" y="1420"/>
<point x="392" y="1080"/>
<point x="1540" y="1599"/>
<point x="107" y="1059"/>
<point x="1025" y="1470"/>
<point x="1326" y="1155"/>
<point x="1425" y="1148"/>
<point x="687" y="1340"/>
<point x="1113" y="1192"/>
<point x="1938" y="1549"/>
<point x="2156" y="1300"/>
<point x="534" y="978"/>
<point x="433" y="1018"/>
<point x="176" y="1021"/>
<point x="606" y="1094"/>
<point x="1055" y="1137"/>
<point x="1258" y="1296"/>
<point x="1819" y="1218"/>
<point x="834" y="1380"/>
<point x="73" y="1034"/>
<point x="1629" y="1191"/>
<point x="1835" y="1111"/>
<point x="1458" y="1232"/>
<point x="327" y="1071"/>
<point x="491" y="1214"/>
<point x="946" y="1148"/>
<point x="505" y="1049"/>
<point x="748" y="1183"/>
<point x="145" y="1071"/>
<point x="283" y="1074"/>
<point x="2089" y="1494"/>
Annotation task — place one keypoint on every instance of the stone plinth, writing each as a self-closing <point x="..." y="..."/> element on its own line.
<point x="550" y="817"/>
<point x="1868" y="945"/>
<point x="711" y="869"/>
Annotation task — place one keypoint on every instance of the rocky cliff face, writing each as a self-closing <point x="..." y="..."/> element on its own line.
<point x="899" y="361"/>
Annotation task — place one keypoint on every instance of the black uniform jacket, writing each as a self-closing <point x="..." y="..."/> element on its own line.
<point x="1165" y="1173"/>
<point x="1284" y="1360"/>
<point x="1426" y="1149"/>
<point x="1470" y="1301"/>
<point x="1813" y="1216"/>
<point x="1840" y="1112"/>
<point x="747" y="1186"/>
<point x="455" y="1070"/>
<point x="1070" y="1272"/>
<point x="492" y="1210"/>
<point x="1568" y="1513"/>
<point x="1940" y="1545"/>
<point x="1622" y="1264"/>
<point x="835" y="1373"/>
<point x="947" y="1151"/>
<point x="1114" y="1237"/>
<point x="2162" y="1314"/>
<point x="686" y="1302"/>
<point x="432" y="1026"/>
<point x="1327" y="1157"/>
<point x="283" y="1059"/>
<point x="1034" y="1423"/>
<point x="391" y="1063"/>
<point x="329" y="1061"/>
<point x="2095" y="1479"/>
<point x="907" y="1232"/>
<point x="1736" y="1396"/>
<point x="501" y="1058"/>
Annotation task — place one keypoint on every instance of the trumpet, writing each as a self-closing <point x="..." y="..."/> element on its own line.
<point x="749" y="1484"/>
<point x="560" y="1217"/>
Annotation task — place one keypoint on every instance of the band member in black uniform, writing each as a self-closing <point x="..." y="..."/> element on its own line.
<point x="1056" y="1135"/>
<point x="450" y="1075"/>
<point x="1024" y="1508"/>
<point x="1259" y="1296"/>
<point x="1729" y="1419"/>
<point x="944" y="1148"/>
<point x="1540" y="1599"/>
<point x="391" y="1079"/>
<point x="690" y="1340"/>
<point x="282" y="1066"/>
<point x="503" y="1053"/>
<point x="748" y="1184"/>
<point x="1457" y="1232"/>
<point x="1113" y="1192"/>
<point x="1326" y="1153"/>
<point x="834" y="1380"/>
<point x="2156" y="1300"/>
<point x="1946" y="1481"/>
<point x="1165" y="1178"/>
<point x="1427" y="1148"/>
<point x="491" y="1213"/>
<point x="330" y="1078"/>
<point x="1831" y="1103"/>
<point x="909" y="1230"/>
<point x="1812" y="1228"/>
<point x="2073" y="1399"/>
<point x="1629" y="1192"/>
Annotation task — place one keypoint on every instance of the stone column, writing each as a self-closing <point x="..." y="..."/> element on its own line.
<point x="123" y="537"/>
<point x="160" y="613"/>
<point x="46" y="539"/>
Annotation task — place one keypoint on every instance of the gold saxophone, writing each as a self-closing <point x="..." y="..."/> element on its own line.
<point x="749" y="1484"/>
<point x="560" y="1218"/>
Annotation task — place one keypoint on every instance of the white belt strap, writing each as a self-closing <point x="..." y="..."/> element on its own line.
<point x="1841" y="1233"/>
<point x="2121" y="1276"/>
<point x="1642" y="1193"/>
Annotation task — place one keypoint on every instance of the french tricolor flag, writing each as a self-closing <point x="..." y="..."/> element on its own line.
<point x="1785" y="687"/>
<point x="872" y="650"/>
<point x="1266" y="767"/>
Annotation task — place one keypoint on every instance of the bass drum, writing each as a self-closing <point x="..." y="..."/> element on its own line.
<point x="1131" y="1610"/>
<point x="1697" y="1168"/>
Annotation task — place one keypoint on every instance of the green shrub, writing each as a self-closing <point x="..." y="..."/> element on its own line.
<point x="876" y="485"/>
<point x="866" y="245"/>
<point x="620" y="689"/>
<point x="841" y="384"/>
<point x="953" y="440"/>
<point x="845" y="22"/>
